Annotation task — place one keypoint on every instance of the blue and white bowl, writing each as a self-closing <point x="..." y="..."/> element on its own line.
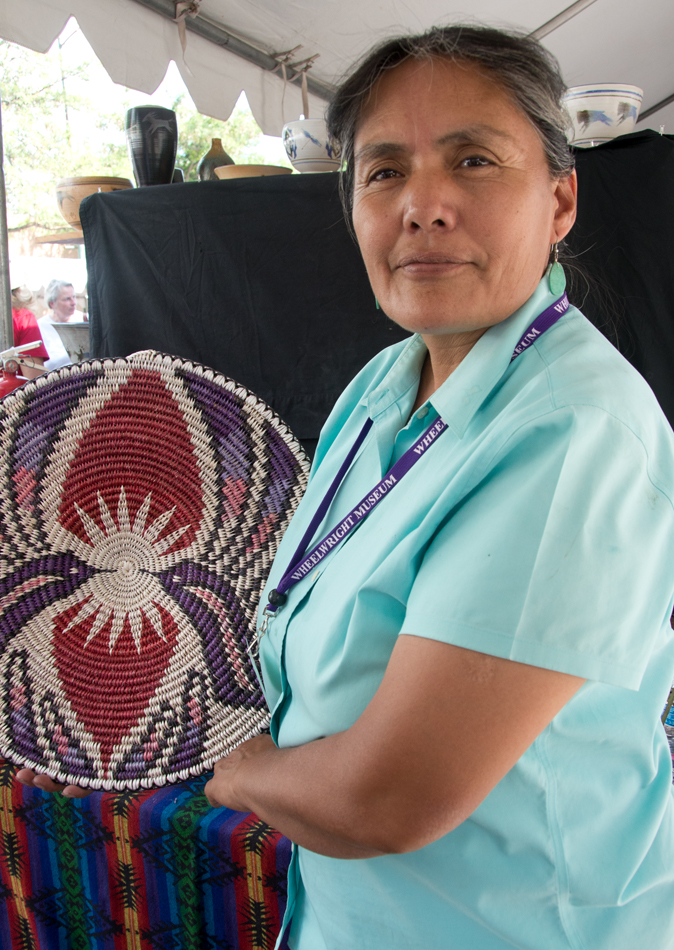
<point x="602" y="111"/>
<point x="308" y="147"/>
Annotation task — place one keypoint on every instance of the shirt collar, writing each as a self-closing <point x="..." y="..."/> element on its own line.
<point x="462" y="394"/>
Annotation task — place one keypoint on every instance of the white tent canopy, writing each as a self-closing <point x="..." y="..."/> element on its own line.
<point x="605" y="41"/>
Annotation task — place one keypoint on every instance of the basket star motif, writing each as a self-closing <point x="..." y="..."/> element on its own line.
<point x="125" y="588"/>
<point x="141" y="504"/>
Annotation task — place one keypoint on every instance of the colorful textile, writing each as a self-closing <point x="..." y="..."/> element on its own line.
<point x="151" y="870"/>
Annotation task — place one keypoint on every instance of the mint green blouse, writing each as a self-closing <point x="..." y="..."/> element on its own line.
<point x="539" y="528"/>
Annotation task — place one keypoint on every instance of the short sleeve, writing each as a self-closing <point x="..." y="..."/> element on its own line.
<point x="26" y="330"/>
<point x="562" y="557"/>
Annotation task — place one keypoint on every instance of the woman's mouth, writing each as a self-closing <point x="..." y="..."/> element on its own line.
<point x="429" y="264"/>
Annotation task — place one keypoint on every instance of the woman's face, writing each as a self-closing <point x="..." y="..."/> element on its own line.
<point x="454" y="208"/>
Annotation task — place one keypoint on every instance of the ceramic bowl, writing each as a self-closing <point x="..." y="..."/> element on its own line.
<point x="601" y="111"/>
<point x="308" y="147"/>
<point x="71" y="191"/>
<point x="251" y="171"/>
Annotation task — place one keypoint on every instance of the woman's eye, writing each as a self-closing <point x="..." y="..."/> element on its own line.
<point x="384" y="173"/>
<point x="475" y="161"/>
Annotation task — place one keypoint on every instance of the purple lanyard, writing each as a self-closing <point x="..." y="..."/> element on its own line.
<point x="302" y="563"/>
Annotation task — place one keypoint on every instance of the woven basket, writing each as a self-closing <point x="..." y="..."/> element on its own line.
<point x="142" y="501"/>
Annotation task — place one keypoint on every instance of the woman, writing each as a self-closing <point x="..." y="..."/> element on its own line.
<point x="466" y="691"/>
<point x="466" y="688"/>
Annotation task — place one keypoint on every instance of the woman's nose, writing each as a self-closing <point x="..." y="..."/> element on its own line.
<point x="429" y="203"/>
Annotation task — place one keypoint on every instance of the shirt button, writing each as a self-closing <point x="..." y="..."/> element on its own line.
<point x="423" y="412"/>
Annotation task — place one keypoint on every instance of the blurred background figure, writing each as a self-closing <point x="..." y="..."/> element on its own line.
<point x="26" y="330"/>
<point x="60" y="298"/>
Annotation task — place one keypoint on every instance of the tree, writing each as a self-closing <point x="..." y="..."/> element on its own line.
<point x="240" y="136"/>
<point x="42" y="138"/>
<point x="54" y="127"/>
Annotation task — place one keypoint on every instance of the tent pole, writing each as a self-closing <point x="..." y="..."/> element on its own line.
<point x="6" y="325"/>
<point x="656" y="107"/>
<point x="222" y="37"/>
<point x="550" y="25"/>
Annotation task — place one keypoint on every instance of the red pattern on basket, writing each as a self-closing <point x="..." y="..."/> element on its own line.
<point x="140" y="435"/>
<point x="234" y="491"/>
<point x="24" y="486"/>
<point x="261" y="533"/>
<point x="112" y="704"/>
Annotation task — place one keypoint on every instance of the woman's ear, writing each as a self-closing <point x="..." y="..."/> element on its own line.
<point x="565" y="192"/>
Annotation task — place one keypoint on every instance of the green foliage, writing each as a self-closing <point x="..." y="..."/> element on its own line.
<point x="54" y="127"/>
<point x="45" y="134"/>
<point x="240" y="136"/>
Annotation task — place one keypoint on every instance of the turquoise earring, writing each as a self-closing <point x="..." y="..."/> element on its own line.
<point x="376" y="303"/>
<point x="556" y="275"/>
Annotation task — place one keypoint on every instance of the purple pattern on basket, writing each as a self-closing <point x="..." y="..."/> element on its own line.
<point x="55" y="577"/>
<point x="16" y="697"/>
<point x="64" y="612"/>
<point x="44" y="415"/>
<point x="190" y="747"/>
<point x="191" y="575"/>
<point x="62" y="744"/>
<point x="135" y="763"/>
<point x="222" y="409"/>
<point x="281" y="482"/>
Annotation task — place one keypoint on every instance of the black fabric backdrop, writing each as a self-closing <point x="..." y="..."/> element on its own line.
<point x="624" y="240"/>
<point x="260" y="279"/>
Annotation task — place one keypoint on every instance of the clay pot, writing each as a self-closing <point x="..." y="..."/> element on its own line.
<point x="251" y="171"/>
<point x="71" y="191"/>
<point x="214" y="158"/>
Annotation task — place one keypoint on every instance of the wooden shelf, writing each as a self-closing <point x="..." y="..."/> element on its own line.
<point x="61" y="237"/>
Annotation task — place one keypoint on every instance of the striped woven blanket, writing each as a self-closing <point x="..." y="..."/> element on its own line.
<point x="155" y="870"/>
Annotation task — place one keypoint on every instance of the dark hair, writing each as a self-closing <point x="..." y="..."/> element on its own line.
<point x="516" y="62"/>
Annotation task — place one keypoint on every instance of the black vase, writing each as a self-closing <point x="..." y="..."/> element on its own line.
<point x="152" y="139"/>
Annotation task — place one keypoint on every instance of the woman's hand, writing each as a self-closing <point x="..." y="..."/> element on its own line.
<point x="222" y="790"/>
<point x="247" y="780"/>
<point x="35" y="780"/>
